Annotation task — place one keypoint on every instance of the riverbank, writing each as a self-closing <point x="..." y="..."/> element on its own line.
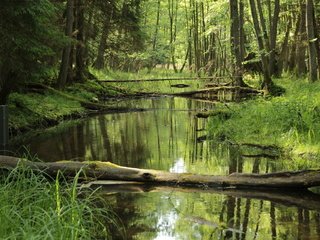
<point x="290" y="122"/>
<point x="41" y="107"/>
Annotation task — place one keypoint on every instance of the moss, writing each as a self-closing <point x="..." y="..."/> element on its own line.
<point x="98" y="165"/>
<point x="37" y="110"/>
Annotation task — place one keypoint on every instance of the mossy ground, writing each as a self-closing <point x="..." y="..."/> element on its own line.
<point x="41" y="109"/>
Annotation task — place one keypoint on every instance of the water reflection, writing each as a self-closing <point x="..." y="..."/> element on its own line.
<point x="204" y="215"/>
<point x="169" y="137"/>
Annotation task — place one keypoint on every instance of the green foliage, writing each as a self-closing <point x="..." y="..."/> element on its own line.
<point x="29" y="38"/>
<point x="291" y="121"/>
<point x="33" y="207"/>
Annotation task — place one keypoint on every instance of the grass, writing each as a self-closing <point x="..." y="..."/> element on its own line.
<point x="36" y="110"/>
<point x="291" y="121"/>
<point x="34" y="207"/>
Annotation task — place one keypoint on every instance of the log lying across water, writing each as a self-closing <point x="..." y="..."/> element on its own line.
<point x="96" y="170"/>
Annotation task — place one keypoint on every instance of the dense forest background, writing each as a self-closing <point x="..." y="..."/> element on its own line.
<point x="58" y="42"/>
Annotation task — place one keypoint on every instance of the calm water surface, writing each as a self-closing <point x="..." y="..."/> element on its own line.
<point x="169" y="137"/>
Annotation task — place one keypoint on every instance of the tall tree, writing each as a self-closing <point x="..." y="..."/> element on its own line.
<point x="274" y="19"/>
<point x="267" y="82"/>
<point x="65" y="61"/>
<point x="28" y="38"/>
<point x="313" y="66"/>
<point x="236" y="41"/>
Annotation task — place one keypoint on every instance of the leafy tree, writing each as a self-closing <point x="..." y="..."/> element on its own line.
<point x="28" y="39"/>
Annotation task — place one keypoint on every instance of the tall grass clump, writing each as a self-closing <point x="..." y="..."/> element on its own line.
<point x="35" y="207"/>
<point x="291" y="121"/>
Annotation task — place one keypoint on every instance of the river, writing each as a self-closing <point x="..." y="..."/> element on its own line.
<point x="168" y="136"/>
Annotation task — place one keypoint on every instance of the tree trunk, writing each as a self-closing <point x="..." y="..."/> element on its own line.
<point x="65" y="61"/>
<point x="99" y="63"/>
<point x="313" y="76"/>
<point x="273" y="37"/>
<point x="301" y="43"/>
<point x="235" y="42"/>
<point x="108" y="171"/>
<point x="155" y="36"/>
<point x="80" y="68"/>
<point x="267" y="82"/>
<point x="7" y="82"/>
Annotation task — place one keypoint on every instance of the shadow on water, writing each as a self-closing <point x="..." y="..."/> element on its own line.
<point x="169" y="137"/>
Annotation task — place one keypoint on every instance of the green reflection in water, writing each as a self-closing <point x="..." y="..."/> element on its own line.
<point x="177" y="215"/>
<point x="169" y="137"/>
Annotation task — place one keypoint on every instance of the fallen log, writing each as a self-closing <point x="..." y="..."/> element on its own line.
<point x="159" y="79"/>
<point x="241" y="90"/>
<point x="96" y="170"/>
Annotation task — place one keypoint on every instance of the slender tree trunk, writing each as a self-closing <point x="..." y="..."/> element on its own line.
<point x="155" y="36"/>
<point x="273" y="37"/>
<point x="65" y="61"/>
<point x="99" y="63"/>
<point x="301" y="43"/>
<point x="263" y="26"/>
<point x="267" y="82"/>
<point x="241" y="30"/>
<point x="7" y="82"/>
<point x="173" y="10"/>
<point x="235" y="42"/>
<point x="283" y="60"/>
<point x="292" y="54"/>
<point x="80" y="68"/>
<point x="313" y="76"/>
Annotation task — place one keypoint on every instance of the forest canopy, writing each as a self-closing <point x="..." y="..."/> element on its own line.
<point x="57" y="43"/>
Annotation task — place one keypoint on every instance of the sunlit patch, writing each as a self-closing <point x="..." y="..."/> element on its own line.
<point x="178" y="166"/>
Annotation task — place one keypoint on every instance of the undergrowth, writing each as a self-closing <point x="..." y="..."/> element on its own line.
<point x="34" y="207"/>
<point x="290" y="121"/>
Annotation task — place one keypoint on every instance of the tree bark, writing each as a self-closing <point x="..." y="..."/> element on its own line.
<point x="313" y="76"/>
<point x="99" y="63"/>
<point x="235" y="42"/>
<point x="301" y="43"/>
<point x="96" y="170"/>
<point x="64" y="66"/>
<point x="273" y="37"/>
<point x="80" y="68"/>
<point x="267" y="82"/>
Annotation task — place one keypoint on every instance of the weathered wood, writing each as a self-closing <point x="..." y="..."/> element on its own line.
<point x="160" y="79"/>
<point x="243" y="90"/>
<point x="96" y="170"/>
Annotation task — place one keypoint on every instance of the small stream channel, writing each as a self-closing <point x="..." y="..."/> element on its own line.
<point x="169" y="137"/>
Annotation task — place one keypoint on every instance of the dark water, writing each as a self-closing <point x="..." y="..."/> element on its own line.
<point x="169" y="137"/>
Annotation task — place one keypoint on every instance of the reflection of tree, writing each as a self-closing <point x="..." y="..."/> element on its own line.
<point x="126" y="209"/>
<point x="273" y="221"/>
<point x="303" y="224"/>
<point x="106" y="139"/>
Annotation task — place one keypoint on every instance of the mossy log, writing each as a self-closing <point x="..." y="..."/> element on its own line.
<point x="96" y="170"/>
